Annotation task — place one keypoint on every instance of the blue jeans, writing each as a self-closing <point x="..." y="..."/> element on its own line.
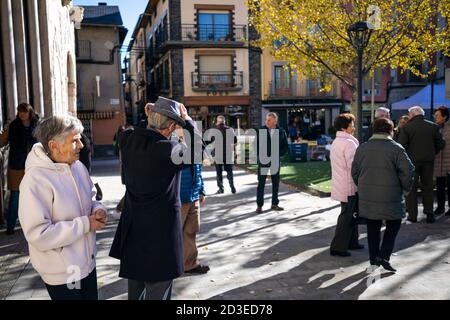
<point x="13" y="210"/>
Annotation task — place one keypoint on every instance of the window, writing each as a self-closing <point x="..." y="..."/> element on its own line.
<point x="215" y="70"/>
<point x="214" y="26"/>
<point x="282" y="78"/>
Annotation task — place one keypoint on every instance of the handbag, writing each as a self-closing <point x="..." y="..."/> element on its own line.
<point x="353" y="202"/>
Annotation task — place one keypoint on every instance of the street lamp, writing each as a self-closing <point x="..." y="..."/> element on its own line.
<point x="359" y="34"/>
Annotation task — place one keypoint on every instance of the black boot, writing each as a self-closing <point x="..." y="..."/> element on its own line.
<point x="430" y="218"/>
<point x="99" y="195"/>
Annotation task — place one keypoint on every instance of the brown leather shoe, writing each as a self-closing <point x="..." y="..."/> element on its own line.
<point x="277" y="208"/>
<point x="259" y="210"/>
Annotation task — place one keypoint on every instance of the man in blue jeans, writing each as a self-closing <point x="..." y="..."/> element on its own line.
<point x="270" y="131"/>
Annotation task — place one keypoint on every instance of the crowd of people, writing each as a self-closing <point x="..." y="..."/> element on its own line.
<point x="58" y="205"/>
<point x="378" y="180"/>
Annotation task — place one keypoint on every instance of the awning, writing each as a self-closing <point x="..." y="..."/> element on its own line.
<point x="295" y="105"/>
<point x="96" y="115"/>
<point x="423" y="99"/>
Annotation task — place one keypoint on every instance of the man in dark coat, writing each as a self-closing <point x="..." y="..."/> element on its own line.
<point x="380" y="113"/>
<point x="224" y="155"/>
<point x="148" y="240"/>
<point x="271" y="131"/>
<point x="422" y="140"/>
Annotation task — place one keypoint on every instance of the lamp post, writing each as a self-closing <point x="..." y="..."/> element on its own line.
<point x="359" y="38"/>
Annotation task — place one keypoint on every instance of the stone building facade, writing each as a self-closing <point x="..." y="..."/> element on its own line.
<point x="37" y="58"/>
<point x="198" y="52"/>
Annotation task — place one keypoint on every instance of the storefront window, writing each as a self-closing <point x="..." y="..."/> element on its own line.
<point x="309" y="123"/>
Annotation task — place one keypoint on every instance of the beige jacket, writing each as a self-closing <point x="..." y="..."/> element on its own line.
<point x="54" y="206"/>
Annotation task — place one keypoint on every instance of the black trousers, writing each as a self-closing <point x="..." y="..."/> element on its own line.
<point x="87" y="289"/>
<point x="140" y="290"/>
<point x="262" y="184"/>
<point x="219" y="171"/>
<point x="373" y="236"/>
<point x="346" y="234"/>
<point x="442" y="183"/>
<point x="424" y="173"/>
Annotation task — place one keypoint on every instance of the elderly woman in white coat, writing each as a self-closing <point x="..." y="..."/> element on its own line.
<point x="343" y="188"/>
<point x="57" y="212"/>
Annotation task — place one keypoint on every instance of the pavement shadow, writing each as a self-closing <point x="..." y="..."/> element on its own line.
<point x="318" y="278"/>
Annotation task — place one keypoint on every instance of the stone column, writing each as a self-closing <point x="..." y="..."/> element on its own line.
<point x="47" y="80"/>
<point x="35" y="52"/>
<point x="20" y="50"/>
<point x="10" y="78"/>
<point x="254" y="56"/>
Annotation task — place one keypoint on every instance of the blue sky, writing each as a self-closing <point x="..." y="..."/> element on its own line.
<point x="129" y="9"/>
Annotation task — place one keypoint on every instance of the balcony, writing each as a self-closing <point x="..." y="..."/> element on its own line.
<point x="84" y="50"/>
<point x="85" y="103"/>
<point x="314" y="89"/>
<point x="213" y="33"/>
<point x="306" y="89"/>
<point x="217" y="81"/>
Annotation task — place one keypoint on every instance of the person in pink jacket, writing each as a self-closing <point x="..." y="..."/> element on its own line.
<point x="343" y="188"/>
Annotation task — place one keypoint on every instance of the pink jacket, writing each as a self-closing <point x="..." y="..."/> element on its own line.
<point x="342" y="152"/>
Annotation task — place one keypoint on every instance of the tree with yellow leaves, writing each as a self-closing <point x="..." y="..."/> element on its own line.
<point x="312" y="35"/>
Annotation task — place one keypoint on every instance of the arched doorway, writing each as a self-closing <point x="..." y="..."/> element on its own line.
<point x="71" y="85"/>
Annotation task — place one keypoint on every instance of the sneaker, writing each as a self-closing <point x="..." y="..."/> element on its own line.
<point x="430" y="218"/>
<point x="220" y="191"/>
<point x="233" y="190"/>
<point x="259" y="210"/>
<point x="277" y="208"/>
<point x="411" y="220"/>
<point x="439" y="211"/>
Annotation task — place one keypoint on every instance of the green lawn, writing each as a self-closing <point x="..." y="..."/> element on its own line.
<point x="313" y="174"/>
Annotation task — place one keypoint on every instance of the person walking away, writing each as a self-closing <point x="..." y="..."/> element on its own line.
<point x="383" y="173"/>
<point x="343" y="188"/>
<point x="422" y="140"/>
<point x="19" y="136"/>
<point x="442" y="162"/>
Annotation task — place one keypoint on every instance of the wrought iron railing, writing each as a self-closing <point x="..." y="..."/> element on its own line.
<point x="217" y="81"/>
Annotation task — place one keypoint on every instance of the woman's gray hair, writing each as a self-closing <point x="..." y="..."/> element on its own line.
<point x="56" y="128"/>
<point x="416" y="111"/>
<point x="159" y="121"/>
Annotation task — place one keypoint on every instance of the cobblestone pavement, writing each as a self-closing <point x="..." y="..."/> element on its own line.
<point x="274" y="255"/>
